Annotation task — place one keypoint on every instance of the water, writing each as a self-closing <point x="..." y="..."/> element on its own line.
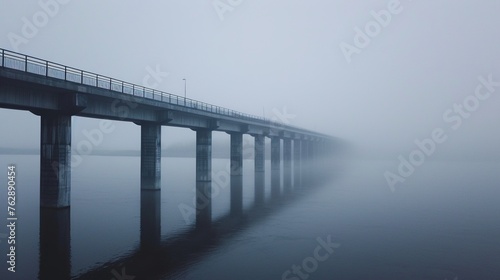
<point x="442" y="223"/>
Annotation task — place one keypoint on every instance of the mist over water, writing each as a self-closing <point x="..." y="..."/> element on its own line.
<point x="410" y="89"/>
<point x="442" y="223"/>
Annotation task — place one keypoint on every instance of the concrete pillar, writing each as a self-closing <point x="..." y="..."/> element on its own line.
<point x="296" y="162"/>
<point x="203" y="178"/>
<point x="55" y="244"/>
<point x="150" y="219"/>
<point x="236" y="173"/>
<point x="275" y="167"/>
<point x="150" y="157"/>
<point x="259" y="168"/>
<point x="323" y="156"/>
<point x="305" y="163"/>
<point x="55" y="161"/>
<point x="312" y="162"/>
<point x="287" y="164"/>
<point x="311" y="151"/>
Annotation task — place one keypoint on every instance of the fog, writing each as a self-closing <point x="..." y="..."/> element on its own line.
<point x="379" y="74"/>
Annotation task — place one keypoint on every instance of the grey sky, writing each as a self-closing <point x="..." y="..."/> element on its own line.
<point x="284" y="55"/>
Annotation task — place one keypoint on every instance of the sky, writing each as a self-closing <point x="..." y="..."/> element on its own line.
<point x="380" y="74"/>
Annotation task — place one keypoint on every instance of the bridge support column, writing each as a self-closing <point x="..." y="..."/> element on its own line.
<point x="322" y="156"/>
<point x="296" y="162"/>
<point x="305" y="163"/>
<point x="312" y="162"/>
<point x="150" y="219"/>
<point x="287" y="164"/>
<point x="203" y="178"/>
<point x="55" y="161"/>
<point x="150" y="185"/>
<point x="55" y="243"/>
<point x="236" y="173"/>
<point x="150" y="157"/>
<point x="311" y="151"/>
<point x="259" y="161"/>
<point x="275" y="167"/>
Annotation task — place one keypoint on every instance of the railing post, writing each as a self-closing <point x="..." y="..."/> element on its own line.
<point x="25" y="63"/>
<point x="122" y="88"/>
<point x="46" y="68"/>
<point x="110" y="82"/>
<point x="3" y="57"/>
<point x="81" y="76"/>
<point x="133" y="89"/>
<point x="65" y="71"/>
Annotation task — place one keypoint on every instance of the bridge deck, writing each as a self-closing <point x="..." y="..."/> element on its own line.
<point x="34" y="84"/>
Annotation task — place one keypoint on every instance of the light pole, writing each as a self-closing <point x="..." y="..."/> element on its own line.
<point x="185" y="87"/>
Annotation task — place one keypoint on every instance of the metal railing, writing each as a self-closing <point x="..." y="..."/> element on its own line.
<point x="46" y="68"/>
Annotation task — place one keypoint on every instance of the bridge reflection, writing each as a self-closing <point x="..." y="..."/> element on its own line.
<point x="55" y="243"/>
<point x="157" y="258"/>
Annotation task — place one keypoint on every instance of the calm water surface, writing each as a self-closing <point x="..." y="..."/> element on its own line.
<point x="442" y="223"/>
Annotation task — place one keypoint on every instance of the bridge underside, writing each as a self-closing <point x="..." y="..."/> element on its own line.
<point x="56" y="101"/>
<point x="39" y="94"/>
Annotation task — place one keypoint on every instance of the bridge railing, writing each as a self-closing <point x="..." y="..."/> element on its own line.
<point x="21" y="62"/>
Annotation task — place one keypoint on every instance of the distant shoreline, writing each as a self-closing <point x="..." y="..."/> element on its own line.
<point x="29" y="152"/>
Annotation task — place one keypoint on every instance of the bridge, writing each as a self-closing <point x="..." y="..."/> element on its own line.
<point x="56" y="93"/>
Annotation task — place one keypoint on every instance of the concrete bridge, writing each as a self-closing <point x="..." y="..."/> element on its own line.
<point x="57" y="92"/>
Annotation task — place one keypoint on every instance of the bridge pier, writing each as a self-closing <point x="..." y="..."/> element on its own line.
<point x="236" y="173"/>
<point x="203" y="177"/>
<point x="275" y="167"/>
<point x="150" y="157"/>
<point x="305" y="163"/>
<point x="322" y="159"/>
<point x="55" y="244"/>
<point x="312" y="161"/>
<point x="296" y="163"/>
<point x="287" y="165"/>
<point x="150" y="185"/>
<point x="150" y="219"/>
<point x="55" y="160"/>
<point x="259" y="161"/>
